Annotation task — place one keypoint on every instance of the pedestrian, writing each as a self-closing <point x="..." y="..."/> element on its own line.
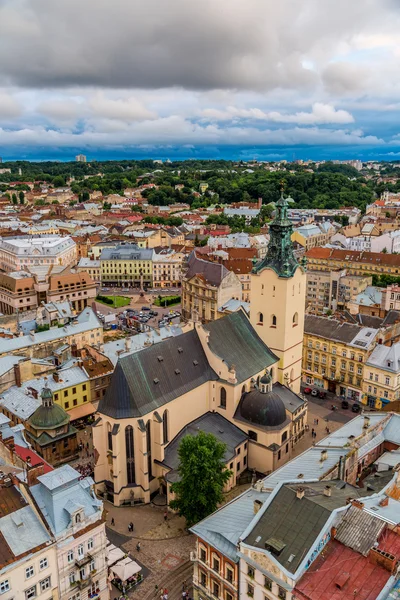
<point x="312" y="433"/>
<point x="317" y="421"/>
<point x="138" y="546"/>
<point x="165" y="515"/>
<point x="112" y="522"/>
<point x="183" y="585"/>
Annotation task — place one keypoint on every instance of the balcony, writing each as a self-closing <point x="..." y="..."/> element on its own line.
<point x="85" y="581"/>
<point x="84" y="561"/>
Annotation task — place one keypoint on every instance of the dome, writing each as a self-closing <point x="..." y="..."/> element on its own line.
<point x="265" y="409"/>
<point x="49" y="417"/>
<point x="266" y="378"/>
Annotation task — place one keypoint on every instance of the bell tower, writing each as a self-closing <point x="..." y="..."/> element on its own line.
<point x="277" y="305"/>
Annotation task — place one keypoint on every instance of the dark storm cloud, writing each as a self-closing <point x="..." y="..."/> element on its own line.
<point x="251" y="44"/>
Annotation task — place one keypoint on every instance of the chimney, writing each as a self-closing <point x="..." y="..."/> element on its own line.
<point x="300" y="493"/>
<point x="128" y="343"/>
<point x="384" y="501"/>
<point x="357" y="504"/>
<point x="324" y="455"/>
<point x="366" y="422"/>
<point x="382" y="559"/>
<point x="56" y="377"/>
<point x="33" y="472"/>
<point x="17" y="375"/>
<point x="328" y="491"/>
<point x="256" y="506"/>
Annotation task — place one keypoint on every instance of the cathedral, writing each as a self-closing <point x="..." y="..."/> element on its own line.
<point x="236" y="377"/>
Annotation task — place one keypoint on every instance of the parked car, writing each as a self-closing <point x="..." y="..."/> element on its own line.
<point x="345" y="404"/>
<point x="145" y="308"/>
<point x="322" y="394"/>
<point x="356" y="407"/>
<point x="307" y="390"/>
<point x="314" y="393"/>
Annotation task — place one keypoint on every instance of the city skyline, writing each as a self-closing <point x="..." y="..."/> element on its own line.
<point x="216" y="80"/>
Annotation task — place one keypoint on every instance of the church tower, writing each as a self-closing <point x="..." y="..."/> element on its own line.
<point x="278" y="286"/>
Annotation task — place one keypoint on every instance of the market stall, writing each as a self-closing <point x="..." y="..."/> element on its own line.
<point x="126" y="574"/>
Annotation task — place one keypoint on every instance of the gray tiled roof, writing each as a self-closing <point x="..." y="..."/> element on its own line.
<point x="214" y="423"/>
<point x="148" y="379"/>
<point x="359" y="530"/>
<point x="212" y="272"/>
<point x="331" y="329"/>
<point x="234" y="339"/>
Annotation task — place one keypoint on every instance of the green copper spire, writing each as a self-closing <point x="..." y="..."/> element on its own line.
<point x="280" y="256"/>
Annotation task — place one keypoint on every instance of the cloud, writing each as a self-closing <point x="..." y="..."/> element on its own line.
<point x="9" y="106"/>
<point x="320" y="114"/>
<point x="125" y="110"/>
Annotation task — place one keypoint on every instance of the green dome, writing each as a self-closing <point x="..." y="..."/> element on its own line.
<point x="49" y="417"/>
<point x="266" y="378"/>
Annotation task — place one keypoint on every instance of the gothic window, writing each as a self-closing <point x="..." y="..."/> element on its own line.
<point x="130" y="455"/>
<point x="295" y="319"/>
<point x="148" y="448"/>
<point x="222" y="397"/>
<point x="165" y="427"/>
<point x="273" y="321"/>
<point x="260" y="318"/>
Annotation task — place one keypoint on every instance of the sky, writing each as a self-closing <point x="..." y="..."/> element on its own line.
<point x="178" y="79"/>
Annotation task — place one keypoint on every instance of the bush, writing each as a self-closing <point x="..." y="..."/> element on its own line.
<point x="105" y="299"/>
<point x="167" y="300"/>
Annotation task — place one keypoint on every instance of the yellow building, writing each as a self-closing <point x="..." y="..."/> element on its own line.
<point x="70" y="387"/>
<point x="334" y="355"/>
<point x="127" y="265"/>
<point x="355" y="262"/>
<point x="381" y="382"/>
<point x="206" y="287"/>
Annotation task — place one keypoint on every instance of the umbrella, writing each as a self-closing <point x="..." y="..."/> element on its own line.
<point x="126" y="568"/>
<point x="114" y="554"/>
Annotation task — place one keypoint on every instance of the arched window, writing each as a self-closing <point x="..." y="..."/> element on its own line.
<point x="222" y="398"/>
<point x="258" y="381"/>
<point x="78" y="518"/>
<point x="148" y="449"/>
<point x="165" y="427"/>
<point x="260" y="318"/>
<point x="295" y="319"/>
<point x="243" y="389"/>
<point x="130" y="455"/>
<point x="109" y="437"/>
<point x="273" y="321"/>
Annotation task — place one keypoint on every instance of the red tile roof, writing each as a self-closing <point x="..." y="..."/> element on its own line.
<point x="339" y="565"/>
<point x="25" y="453"/>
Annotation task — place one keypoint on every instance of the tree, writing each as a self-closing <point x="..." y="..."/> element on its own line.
<point x="14" y="199"/>
<point x="202" y="475"/>
<point x="21" y="196"/>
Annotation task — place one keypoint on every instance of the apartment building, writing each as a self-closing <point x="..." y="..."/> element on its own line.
<point x="127" y="265"/>
<point x="355" y="263"/>
<point x="206" y="287"/>
<point x="312" y="235"/>
<point x="91" y="267"/>
<point x="332" y="290"/>
<point x="381" y="382"/>
<point x="167" y="268"/>
<point x="21" y="291"/>
<point x="334" y="355"/>
<point x="28" y="558"/>
<point x="29" y="252"/>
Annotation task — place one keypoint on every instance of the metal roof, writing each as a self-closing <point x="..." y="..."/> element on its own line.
<point x="224" y="527"/>
<point x="23" y="531"/>
<point x="236" y="342"/>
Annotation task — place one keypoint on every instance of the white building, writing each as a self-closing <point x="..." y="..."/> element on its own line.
<point x="80" y="158"/>
<point x="26" y="252"/>
<point x="74" y="517"/>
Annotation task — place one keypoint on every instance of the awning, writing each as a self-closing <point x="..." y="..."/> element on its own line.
<point x="126" y="568"/>
<point x="114" y="554"/>
<point x="81" y="411"/>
